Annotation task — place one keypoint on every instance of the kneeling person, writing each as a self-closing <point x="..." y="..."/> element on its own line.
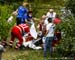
<point x="18" y="32"/>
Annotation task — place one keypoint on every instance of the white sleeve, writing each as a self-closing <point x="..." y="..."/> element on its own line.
<point x="46" y="22"/>
<point x="47" y="27"/>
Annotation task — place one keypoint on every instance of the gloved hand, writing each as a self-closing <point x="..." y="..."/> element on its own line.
<point x="10" y="19"/>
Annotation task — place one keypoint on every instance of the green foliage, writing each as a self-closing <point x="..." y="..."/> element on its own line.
<point x="68" y="38"/>
<point x="10" y="1"/>
<point x="51" y="2"/>
<point x="41" y="7"/>
<point x="70" y="4"/>
<point x="4" y="26"/>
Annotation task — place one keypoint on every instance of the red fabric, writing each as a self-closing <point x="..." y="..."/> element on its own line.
<point x="58" y="35"/>
<point x="55" y="42"/>
<point x="40" y="27"/>
<point x="16" y="33"/>
<point x="25" y="27"/>
<point x="57" y="21"/>
<point x="29" y="38"/>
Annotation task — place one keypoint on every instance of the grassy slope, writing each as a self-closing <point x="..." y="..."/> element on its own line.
<point x="28" y="54"/>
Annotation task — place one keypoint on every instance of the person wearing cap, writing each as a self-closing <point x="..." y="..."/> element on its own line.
<point x="51" y="14"/>
<point x="21" y="13"/>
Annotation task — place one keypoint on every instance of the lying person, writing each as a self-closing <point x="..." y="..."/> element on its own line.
<point x="29" y="42"/>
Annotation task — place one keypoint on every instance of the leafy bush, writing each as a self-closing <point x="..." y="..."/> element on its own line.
<point x="68" y="37"/>
<point x="4" y="26"/>
<point x="70" y="5"/>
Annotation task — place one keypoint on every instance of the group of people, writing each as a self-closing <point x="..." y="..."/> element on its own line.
<point x="22" y="30"/>
<point x="46" y="27"/>
<point x="49" y="37"/>
<point x="23" y="16"/>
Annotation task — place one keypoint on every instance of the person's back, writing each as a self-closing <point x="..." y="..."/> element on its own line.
<point x="18" y="32"/>
<point x="22" y="14"/>
<point x="22" y="11"/>
<point x="50" y="27"/>
<point x="49" y="37"/>
<point x="24" y="27"/>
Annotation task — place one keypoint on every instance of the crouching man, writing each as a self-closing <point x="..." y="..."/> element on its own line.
<point x="18" y="32"/>
<point x="22" y="33"/>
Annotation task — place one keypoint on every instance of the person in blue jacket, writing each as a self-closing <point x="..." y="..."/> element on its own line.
<point x="21" y="14"/>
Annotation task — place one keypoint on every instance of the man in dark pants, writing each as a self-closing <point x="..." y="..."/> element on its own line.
<point x="49" y="37"/>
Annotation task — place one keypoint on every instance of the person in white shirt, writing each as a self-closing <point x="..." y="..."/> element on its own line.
<point x="51" y="14"/>
<point x="49" y="36"/>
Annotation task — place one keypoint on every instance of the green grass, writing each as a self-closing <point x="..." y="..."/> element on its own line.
<point x="29" y="54"/>
<point x="26" y="54"/>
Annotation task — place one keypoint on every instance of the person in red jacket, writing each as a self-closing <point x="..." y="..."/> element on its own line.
<point x="18" y="32"/>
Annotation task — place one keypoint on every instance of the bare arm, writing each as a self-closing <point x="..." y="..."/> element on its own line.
<point x="15" y="12"/>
